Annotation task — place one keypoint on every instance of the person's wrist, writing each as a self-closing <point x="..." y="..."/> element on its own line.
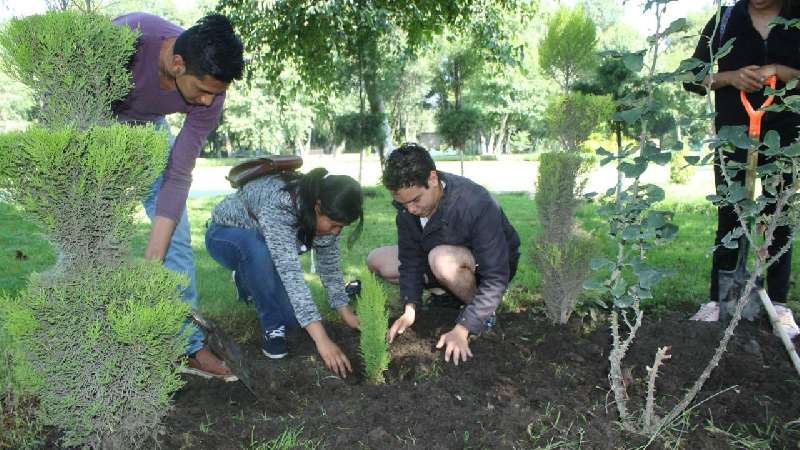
<point x="461" y="331"/>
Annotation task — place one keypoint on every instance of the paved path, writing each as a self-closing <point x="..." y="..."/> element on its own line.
<point x="505" y="175"/>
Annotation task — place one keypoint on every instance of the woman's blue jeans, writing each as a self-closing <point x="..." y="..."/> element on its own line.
<point x="245" y="251"/>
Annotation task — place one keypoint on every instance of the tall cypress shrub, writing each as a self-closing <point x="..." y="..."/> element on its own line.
<point x="102" y="331"/>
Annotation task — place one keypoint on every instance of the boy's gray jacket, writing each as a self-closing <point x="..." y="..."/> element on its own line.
<point x="467" y="215"/>
<point x="277" y="222"/>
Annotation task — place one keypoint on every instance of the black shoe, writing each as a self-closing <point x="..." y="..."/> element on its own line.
<point x="353" y="289"/>
<point x="445" y="300"/>
<point x="274" y="344"/>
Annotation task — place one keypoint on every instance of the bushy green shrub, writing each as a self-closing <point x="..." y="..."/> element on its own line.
<point x="680" y="172"/>
<point x="102" y="334"/>
<point x="563" y="268"/>
<point x="559" y="183"/>
<point x="19" y="406"/>
<point x="560" y="253"/>
<point x="359" y="131"/>
<point x="75" y="64"/>
<point x="105" y="347"/>
<point x="571" y="118"/>
<point x="374" y="324"/>
<point x="82" y="186"/>
<point x="457" y="126"/>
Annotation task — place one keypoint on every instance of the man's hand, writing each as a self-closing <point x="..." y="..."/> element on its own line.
<point x="455" y="343"/>
<point x="160" y="237"/>
<point x="403" y="322"/>
<point x="349" y="317"/>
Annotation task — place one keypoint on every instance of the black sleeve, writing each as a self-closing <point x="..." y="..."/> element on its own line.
<point x="490" y="248"/>
<point x="702" y="52"/>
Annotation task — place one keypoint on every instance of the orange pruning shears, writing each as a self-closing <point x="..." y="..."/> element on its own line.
<point x="754" y="131"/>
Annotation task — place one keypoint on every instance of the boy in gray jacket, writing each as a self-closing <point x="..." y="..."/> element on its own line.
<point x="451" y="234"/>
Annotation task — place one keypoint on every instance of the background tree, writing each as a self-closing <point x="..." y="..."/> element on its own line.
<point x="567" y="50"/>
<point x="335" y="42"/>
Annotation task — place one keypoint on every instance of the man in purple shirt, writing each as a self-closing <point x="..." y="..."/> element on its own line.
<point x="186" y="71"/>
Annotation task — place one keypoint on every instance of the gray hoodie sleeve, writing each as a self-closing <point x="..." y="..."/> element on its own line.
<point x="330" y="270"/>
<point x="280" y="235"/>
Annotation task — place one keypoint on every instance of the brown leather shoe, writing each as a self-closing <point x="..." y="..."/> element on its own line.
<point x="205" y="364"/>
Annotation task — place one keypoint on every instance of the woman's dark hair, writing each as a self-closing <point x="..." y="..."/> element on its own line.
<point x="339" y="197"/>
<point x="211" y="48"/>
<point x="407" y="166"/>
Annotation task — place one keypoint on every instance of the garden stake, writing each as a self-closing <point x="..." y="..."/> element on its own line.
<point x="740" y="273"/>
<point x="227" y="349"/>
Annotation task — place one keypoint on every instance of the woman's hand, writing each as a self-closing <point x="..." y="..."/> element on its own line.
<point x="331" y="354"/>
<point x="349" y="317"/>
<point x="335" y="359"/>
<point x="748" y="78"/>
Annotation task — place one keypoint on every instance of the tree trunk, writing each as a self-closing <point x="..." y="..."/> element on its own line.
<point x="376" y="106"/>
<point x="502" y="135"/>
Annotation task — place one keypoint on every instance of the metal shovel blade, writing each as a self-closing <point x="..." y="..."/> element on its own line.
<point x="732" y="285"/>
<point x="226" y="348"/>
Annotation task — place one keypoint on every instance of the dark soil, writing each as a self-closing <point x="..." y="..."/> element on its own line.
<point x="530" y="385"/>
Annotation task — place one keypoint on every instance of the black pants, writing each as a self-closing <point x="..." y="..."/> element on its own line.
<point x="778" y="274"/>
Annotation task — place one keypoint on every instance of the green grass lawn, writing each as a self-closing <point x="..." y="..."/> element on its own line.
<point x="687" y="257"/>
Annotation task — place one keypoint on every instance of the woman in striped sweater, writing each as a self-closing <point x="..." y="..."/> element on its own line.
<point x="260" y="232"/>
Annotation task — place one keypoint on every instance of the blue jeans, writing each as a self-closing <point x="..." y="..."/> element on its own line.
<point x="245" y="251"/>
<point x="179" y="257"/>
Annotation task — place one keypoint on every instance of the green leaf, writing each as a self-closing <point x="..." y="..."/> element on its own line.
<point x="629" y="116"/>
<point x="772" y="139"/>
<point x="736" y="135"/>
<point x="631" y="232"/>
<point x="676" y="26"/>
<point x="692" y="160"/>
<point x="634" y="61"/>
<point x="619" y="289"/>
<point x="623" y="302"/>
<point x="632" y="170"/>
<point x="725" y="49"/>
<point x="601" y="263"/>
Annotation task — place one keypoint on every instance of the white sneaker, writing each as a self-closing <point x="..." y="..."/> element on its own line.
<point x="709" y="312"/>
<point x="786" y="320"/>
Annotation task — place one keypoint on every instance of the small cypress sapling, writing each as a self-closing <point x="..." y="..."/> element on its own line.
<point x="374" y="324"/>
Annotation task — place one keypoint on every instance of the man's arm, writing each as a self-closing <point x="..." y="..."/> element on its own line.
<point x="177" y="180"/>
<point x="160" y="236"/>
<point x="490" y="248"/>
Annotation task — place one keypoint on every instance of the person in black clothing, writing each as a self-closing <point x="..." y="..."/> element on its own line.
<point x="759" y="51"/>
<point x="451" y="234"/>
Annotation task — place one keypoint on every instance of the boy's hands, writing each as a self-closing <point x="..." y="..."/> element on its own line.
<point x="456" y="344"/>
<point x="403" y="322"/>
<point x="349" y="317"/>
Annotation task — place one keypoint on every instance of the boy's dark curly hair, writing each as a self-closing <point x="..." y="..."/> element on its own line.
<point x="408" y="165"/>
